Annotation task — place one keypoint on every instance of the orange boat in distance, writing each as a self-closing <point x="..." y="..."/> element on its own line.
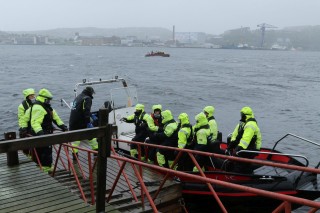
<point x="158" y="53"/>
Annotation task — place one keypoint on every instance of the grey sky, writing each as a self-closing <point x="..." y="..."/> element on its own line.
<point x="210" y="16"/>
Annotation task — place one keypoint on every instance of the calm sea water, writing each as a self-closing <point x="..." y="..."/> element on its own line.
<point x="281" y="87"/>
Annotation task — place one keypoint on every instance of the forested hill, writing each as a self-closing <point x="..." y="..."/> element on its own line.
<point x="301" y="37"/>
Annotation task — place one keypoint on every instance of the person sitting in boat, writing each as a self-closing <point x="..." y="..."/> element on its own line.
<point x="143" y="123"/>
<point x="185" y="141"/>
<point x="169" y="137"/>
<point x="246" y="136"/>
<point x="215" y="145"/>
<point x="41" y="116"/>
<point x="157" y="119"/>
<point x="202" y="138"/>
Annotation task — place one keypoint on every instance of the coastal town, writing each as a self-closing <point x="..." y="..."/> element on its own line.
<point x="264" y="37"/>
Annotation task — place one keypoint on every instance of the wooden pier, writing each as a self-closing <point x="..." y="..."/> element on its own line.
<point x="24" y="188"/>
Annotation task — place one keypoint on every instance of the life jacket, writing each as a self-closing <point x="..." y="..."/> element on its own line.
<point x="138" y="120"/>
<point x="209" y="138"/>
<point x="48" y="118"/>
<point x="25" y="105"/>
<point x="190" y="138"/>
<point x="211" y="118"/>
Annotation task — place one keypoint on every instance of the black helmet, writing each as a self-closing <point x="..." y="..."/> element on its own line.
<point x="89" y="91"/>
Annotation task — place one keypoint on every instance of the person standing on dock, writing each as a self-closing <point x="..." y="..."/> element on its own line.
<point x="80" y="117"/>
<point x="41" y="116"/>
<point x="144" y="124"/>
<point x="246" y="136"/>
<point x="29" y="99"/>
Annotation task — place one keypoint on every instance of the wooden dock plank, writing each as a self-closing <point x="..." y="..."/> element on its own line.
<point x="24" y="188"/>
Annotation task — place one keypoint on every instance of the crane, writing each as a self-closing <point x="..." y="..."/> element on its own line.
<point x="263" y="27"/>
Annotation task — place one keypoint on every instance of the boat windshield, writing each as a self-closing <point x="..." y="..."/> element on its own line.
<point x="124" y="97"/>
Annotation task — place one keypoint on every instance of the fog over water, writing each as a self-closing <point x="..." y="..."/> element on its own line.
<point x="207" y="16"/>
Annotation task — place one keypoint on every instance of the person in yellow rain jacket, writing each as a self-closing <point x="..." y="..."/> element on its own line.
<point x="214" y="146"/>
<point x="144" y="123"/>
<point x="157" y="120"/>
<point x="246" y="136"/>
<point x="185" y="141"/>
<point x="169" y="137"/>
<point x="41" y="117"/>
<point x="29" y="99"/>
<point x="203" y="137"/>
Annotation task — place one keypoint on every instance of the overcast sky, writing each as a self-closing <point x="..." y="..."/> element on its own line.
<point x="210" y="16"/>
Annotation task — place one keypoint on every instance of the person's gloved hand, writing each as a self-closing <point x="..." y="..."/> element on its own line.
<point x="63" y="127"/>
<point x="89" y="125"/>
<point x="40" y="133"/>
<point x="237" y="149"/>
<point x="23" y="132"/>
<point x="228" y="152"/>
<point x="160" y="129"/>
<point x="94" y="117"/>
<point x="124" y="119"/>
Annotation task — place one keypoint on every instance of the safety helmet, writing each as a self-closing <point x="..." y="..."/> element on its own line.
<point x="28" y="92"/>
<point x="139" y="107"/>
<point x="157" y="107"/>
<point x="209" y="110"/>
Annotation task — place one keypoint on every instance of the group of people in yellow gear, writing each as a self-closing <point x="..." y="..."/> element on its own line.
<point x="36" y="117"/>
<point x="161" y="128"/>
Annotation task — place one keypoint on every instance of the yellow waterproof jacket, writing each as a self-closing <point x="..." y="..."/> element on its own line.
<point x="201" y="129"/>
<point x="212" y="122"/>
<point x="170" y="126"/>
<point x="21" y="112"/>
<point x="37" y="116"/>
<point x="185" y="131"/>
<point x="251" y="131"/>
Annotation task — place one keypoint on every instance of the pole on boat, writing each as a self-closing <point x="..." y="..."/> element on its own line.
<point x="103" y="152"/>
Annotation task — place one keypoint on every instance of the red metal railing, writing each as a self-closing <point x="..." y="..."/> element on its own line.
<point x="122" y="162"/>
<point x="286" y="198"/>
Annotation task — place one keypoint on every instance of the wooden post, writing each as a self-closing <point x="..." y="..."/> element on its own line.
<point x="103" y="153"/>
<point x="12" y="157"/>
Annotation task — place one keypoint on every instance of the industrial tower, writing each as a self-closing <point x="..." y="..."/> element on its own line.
<point x="263" y="27"/>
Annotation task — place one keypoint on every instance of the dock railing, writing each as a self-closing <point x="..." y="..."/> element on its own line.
<point x="287" y="199"/>
<point x="104" y="135"/>
<point x="11" y="146"/>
